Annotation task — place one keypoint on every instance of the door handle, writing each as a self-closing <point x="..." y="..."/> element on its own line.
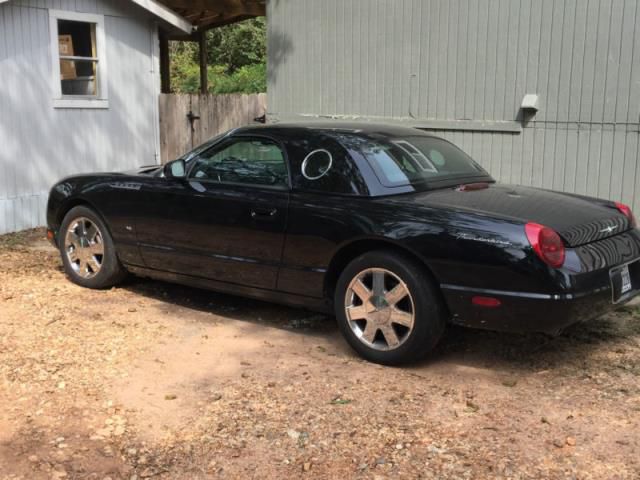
<point x="264" y="213"/>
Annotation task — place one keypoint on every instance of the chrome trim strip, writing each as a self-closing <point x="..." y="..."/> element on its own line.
<point x="537" y="296"/>
<point x="542" y="296"/>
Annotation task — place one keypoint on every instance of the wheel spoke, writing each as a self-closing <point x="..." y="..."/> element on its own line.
<point x="82" y="266"/>
<point x="92" y="233"/>
<point x="398" y="293"/>
<point x="74" y="239"/>
<point x="361" y="291"/>
<point x="401" y="318"/>
<point x="369" y="332"/>
<point x="378" y="283"/>
<point x="389" y="335"/>
<point x="356" y="313"/>
<point x="96" y="249"/>
<point x="95" y="266"/>
<point x="73" y="256"/>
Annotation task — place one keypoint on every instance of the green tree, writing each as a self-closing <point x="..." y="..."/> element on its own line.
<point x="236" y="57"/>
<point x="238" y="45"/>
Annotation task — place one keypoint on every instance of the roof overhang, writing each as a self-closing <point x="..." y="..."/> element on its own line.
<point x="163" y="12"/>
<point x="166" y="14"/>
<point x="207" y="14"/>
<point x="187" y="16"/>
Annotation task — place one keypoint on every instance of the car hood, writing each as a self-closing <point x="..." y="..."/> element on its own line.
<point x="145" y="170"/>
<point x="578" y="220"/>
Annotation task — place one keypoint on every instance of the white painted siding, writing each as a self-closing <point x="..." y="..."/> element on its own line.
<point x="474" y="60"/>
<point x="40" y="144"/>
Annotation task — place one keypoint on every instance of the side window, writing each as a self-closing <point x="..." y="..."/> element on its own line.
<point x="323" y="165"/>
<point x="250" y="161"/>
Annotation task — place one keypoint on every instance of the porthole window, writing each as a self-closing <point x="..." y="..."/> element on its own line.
<point x="317" y="164"/>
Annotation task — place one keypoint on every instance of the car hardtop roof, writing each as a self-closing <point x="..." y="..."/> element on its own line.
<point x="357" y="128"/>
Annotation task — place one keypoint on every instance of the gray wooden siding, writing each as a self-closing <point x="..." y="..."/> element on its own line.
<point x="474" y="60"/>
<point x="40" y="144"/>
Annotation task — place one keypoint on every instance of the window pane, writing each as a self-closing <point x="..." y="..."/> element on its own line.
<point x="253" y="162"/>
<point x="321" y="165"/>
<point x="83" y="79"/>
<point x="78" y="53"/>
<point x="79" y="38"/>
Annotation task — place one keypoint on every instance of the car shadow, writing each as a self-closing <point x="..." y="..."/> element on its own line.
<point x="535" y="352"/>
<point x="461" y="346"/>
<point x="234" y="307"/>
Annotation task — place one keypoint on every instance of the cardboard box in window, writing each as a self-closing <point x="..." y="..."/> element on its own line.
<point x="67" y="67"/>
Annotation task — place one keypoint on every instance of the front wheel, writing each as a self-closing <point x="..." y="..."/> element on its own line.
<point x="87" y="249"/>
<point x="388" y="309"/>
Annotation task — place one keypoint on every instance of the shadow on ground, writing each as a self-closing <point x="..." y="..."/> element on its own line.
<point x="462" y="346"/>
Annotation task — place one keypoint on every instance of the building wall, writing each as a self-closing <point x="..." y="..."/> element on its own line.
<point x="40" y="144"/>
<point x="462" y="67"/>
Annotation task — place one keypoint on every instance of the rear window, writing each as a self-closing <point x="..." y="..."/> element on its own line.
<point x="416" y="159"/>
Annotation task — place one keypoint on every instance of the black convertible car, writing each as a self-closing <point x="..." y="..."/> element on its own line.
<point x="396" y="231"/>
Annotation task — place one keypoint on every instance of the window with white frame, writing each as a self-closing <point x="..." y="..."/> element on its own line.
<point x="78" y="60"/>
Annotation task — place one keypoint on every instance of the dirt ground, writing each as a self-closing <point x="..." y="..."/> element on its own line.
<point x="158" y="381"/>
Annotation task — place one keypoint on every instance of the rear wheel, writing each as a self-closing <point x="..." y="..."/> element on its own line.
<point x="87" y="249"/>
<point x="388" y="309"/>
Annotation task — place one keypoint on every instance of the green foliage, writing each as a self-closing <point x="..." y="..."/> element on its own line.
<point x="238" y="45"/>
<point x="247" y="79"/>
<point x="236" y="56"/>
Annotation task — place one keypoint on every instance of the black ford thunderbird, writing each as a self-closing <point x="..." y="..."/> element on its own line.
<point x="396" y="231"/>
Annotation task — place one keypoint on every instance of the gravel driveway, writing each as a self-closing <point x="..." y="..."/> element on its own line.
<point x="158" y="381"/>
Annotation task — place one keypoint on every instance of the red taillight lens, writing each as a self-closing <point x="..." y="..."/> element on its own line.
<point x="546" y="243"/>
<point x="626" y="211"/>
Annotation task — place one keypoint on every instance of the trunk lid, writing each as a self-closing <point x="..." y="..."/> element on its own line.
<point x="578" y="220"/>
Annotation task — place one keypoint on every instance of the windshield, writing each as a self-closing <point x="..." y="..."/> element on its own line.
<point x="198" y="150"/>
<point x="416" y="159"/>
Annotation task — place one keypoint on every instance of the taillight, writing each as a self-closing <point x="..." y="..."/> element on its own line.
<point x="626" y="211"/>
<point x="546" y="243"/>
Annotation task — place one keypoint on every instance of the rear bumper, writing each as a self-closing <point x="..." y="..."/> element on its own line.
<point x="530" y="312"/>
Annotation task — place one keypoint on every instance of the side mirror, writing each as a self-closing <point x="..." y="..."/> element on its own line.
<point x="175" y="169"/>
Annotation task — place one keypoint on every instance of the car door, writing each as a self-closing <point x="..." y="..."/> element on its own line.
<point x="226" y="220"/>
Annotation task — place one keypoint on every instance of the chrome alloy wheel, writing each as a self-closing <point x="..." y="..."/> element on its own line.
<point x="84" y="247"/>
<point x="379" y="309"/>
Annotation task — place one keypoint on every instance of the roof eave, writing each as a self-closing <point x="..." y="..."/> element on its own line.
<point x="162" y="12"/>
<point x="165" y="14"/>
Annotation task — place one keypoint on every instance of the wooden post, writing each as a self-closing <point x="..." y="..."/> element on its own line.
<point x="165" y="64"/>
<point x="202" y="41"/>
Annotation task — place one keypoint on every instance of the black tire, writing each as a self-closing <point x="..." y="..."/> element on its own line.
<point x="429" y="313"/>
<point x="111" y="271"/>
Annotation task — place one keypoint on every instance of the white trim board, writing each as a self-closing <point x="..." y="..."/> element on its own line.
<point x="101" y="100"/>
<point x="165" y="14"/>
<point x="160" y="11"/>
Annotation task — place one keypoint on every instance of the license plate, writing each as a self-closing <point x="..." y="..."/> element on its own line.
<point x="622" y="282"/>
<point x="626" y="280"/>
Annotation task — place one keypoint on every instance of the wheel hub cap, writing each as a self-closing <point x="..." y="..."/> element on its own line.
<point x="379" y="309"/>
<point x="379" y="302"/>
